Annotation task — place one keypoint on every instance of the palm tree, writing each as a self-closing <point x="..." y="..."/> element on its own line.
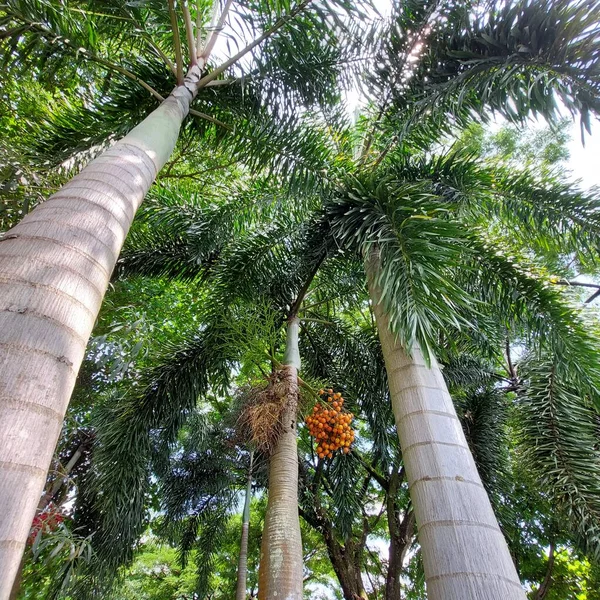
<point x="437" y="65"/>
<point x="56" y="263"/>
<point x="120" y="475"/>
<point x="412" y="299"/>
<point x="447" y="74"/>
<point x="420" y="214"/>
<point x="280" y="570"/>
<point x="450" y="500"/>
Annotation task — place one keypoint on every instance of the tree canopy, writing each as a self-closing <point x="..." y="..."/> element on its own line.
<point x="270" y="206"/>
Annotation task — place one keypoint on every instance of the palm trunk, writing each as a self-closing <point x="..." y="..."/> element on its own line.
<point x="280" y="572"/>
<point x="465" y="554"/>
<point x="54" y="270"/>
<point x="242" y="573"/>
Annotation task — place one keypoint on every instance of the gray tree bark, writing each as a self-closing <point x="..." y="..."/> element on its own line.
<point x="280" y="572"/>
<point x="464" y="551"/>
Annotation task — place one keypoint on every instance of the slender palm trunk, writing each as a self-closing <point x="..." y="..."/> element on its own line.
<point x="54" y="270"/>
<point x="465" y="554"/>
<point x="280" y="572"/>
<point x="242" y="574"/>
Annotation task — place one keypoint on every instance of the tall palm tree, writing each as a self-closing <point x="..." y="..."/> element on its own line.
<point x="410" y="258"/>
<point x="437" y="64"/>
<point x="56" y="263"/>
<point x="424" y="217"/>
<point x="447" y="73"/>
<point x="213" y="353"/>
<point x="280" y="570"/>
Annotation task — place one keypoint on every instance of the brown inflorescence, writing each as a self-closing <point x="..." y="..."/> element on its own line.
<point x="330" y="425"/>
<point x="259" y="422"/>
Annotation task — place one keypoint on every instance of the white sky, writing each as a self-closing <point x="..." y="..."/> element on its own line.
<point x="584" y="162"/>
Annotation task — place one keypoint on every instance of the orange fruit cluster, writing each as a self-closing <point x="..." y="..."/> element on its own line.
<point x="330" y="425"/>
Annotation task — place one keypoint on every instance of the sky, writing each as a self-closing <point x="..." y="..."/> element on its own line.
<point x="584" y="162"/>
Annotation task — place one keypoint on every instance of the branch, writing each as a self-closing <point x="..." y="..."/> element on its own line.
<point x="592" y="297"/>
<point x="50" y="35"/>
<point x="278" y="25"/>
<point x="380" y="479"/>
<point x="545" y="586"/>
<point x="511" y="367"/>
<point x="223" y="82"/>
<point x="309" y="320"/>
<point x="198" y="30"/>
<point x="302" y="293"/>
<point x="202" y="115"/>
<point x="189" y="33"/>
<point x="212" y="40"/>
<point x="312" y="520"/>
<point x="125" y="72"/>
<point x="176" y="42"/>
<point x="195" y="173"/>
<point x="160" y="53"/>
<point x="582" y="284"/>
<point x="385" y="151"/>
<point x="578" y="284"/>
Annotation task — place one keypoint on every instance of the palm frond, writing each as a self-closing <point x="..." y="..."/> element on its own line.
<point x="418" y="244"/>
<point x="181" y="238"/>
<point x="558" y="437"/>
<point x="130" y="431"/>
<point x="516" y="58"/>
<point x="343" y="477"/>
<point x="484" y="416"/>
<point x="535" y="311"/>
<point x="547" y="213"/>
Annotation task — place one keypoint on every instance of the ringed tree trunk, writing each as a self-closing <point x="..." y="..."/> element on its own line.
<point x="281" y="569"/>
<point x="242" y="574"/>
<point x="54" y="270"/>
<point x="465" y="554"/>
